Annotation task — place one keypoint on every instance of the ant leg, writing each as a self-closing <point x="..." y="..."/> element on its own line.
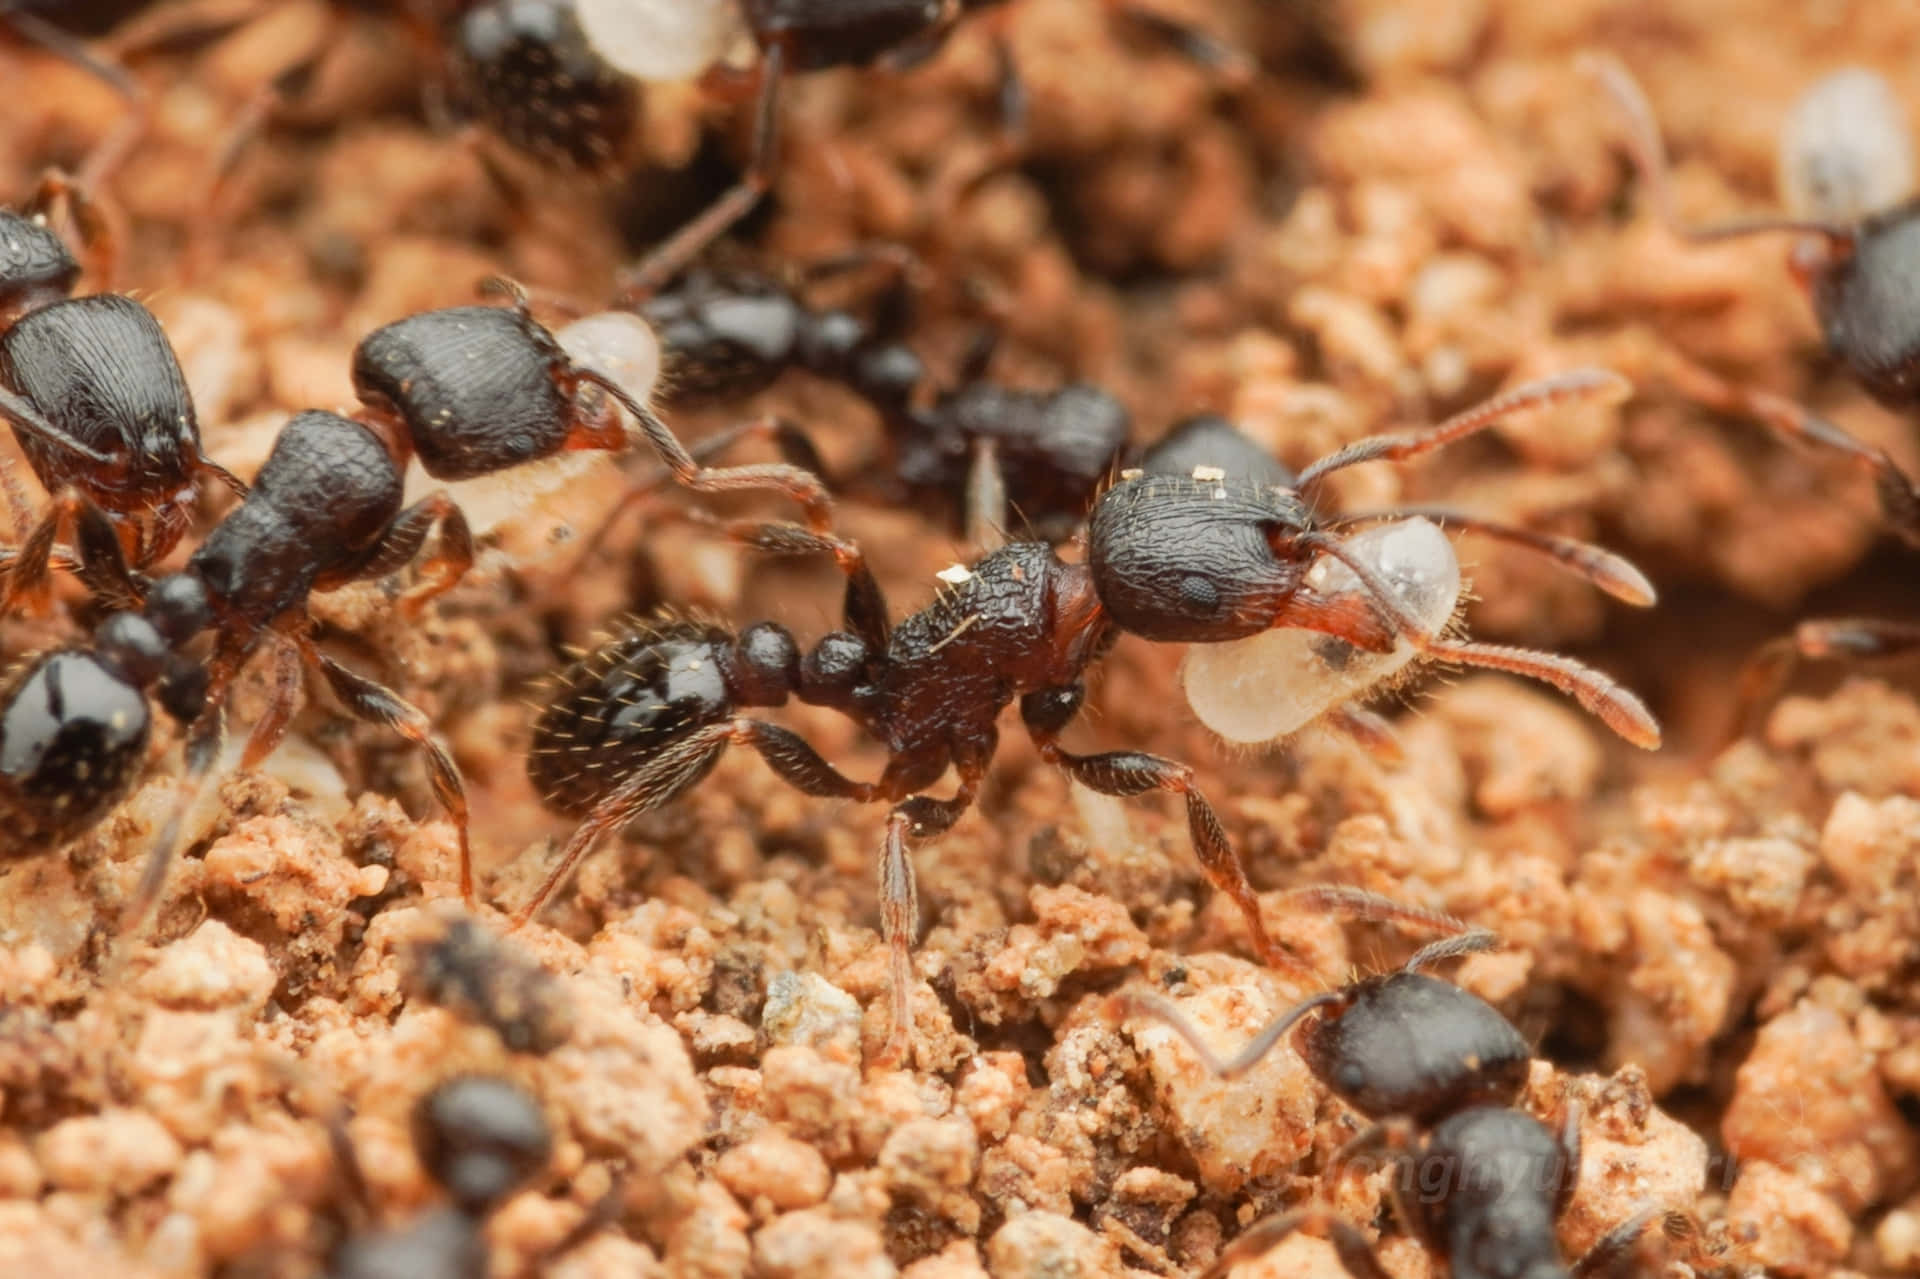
<point x="675" y="767"/>
<point x="377" y="704"/>
<point x="1899" y="498"/>
<point x="1129" y="773"/>
<point x="680" y="249"/>
<point x="206" y="733"/>
<point x="1233" y="68"/>
<point x="986" y="499"/>
<point x="1355" y="1253"/>
<point x="101" y="559"/>
<point x="1372" y="733"/>
<point x="1603" y="385"/>
<point x="795" y="446"/>
<point x="1614" y="574"/>
<point x="271" y="727"/>
<point x="1766" y="672"/>
<point x="91" y="217"/>
<point x="1399" y="1142"/>
<point x="442" y="570"/>
<point x="803" y="487"/>
<point x="865" y="607"/>
<point x="1612" y="1250"/>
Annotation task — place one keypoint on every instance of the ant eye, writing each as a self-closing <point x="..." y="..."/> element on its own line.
<point x="1199" y="595"/>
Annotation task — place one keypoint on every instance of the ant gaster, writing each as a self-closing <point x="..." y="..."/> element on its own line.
<point x="481" y="1139"/>
<point x="95" y="397"/>
<point x="645" y="716"/>
<point x="1438" y="1072"/>
<point x="471" y="390"/>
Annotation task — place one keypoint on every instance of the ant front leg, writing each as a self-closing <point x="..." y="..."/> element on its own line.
<point x="377" y="704"/>
<point x="1857" y="639"/>
<point x="1128" y="773"/>
<point x="669" y="259"/>
<point x="91" y="216"/>
<point x="101" y="559"/>
<point x="1899" y="498"/>
<point x="443" y="569"/>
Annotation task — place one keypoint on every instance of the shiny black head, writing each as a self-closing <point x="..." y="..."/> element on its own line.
<point x="1178" y="559"/>
<point x="1408" y="1044"/>
<point x="73" y="738"/>
<point x="481" y="1138"/>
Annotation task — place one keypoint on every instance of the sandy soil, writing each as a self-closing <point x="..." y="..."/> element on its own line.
<point x="1713" y="948"/>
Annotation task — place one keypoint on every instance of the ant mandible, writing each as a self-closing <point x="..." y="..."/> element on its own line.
<point x="645" y="716"/>
<point x="95" y="397"/>
<point x="1438" y="1071"/>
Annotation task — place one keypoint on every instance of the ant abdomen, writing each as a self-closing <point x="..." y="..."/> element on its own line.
<point x="73" y="737"/>
<point x="530" y="72"/>
<point x="647" y="703"/>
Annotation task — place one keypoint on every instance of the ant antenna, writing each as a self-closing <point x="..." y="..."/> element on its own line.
<point x="1599" y="384"/>
<point x="1649" y="156"/>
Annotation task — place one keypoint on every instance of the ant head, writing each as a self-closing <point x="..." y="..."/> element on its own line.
<point x="1199" y="558"/>
<point x="1209" y="440"/>
<point x="73" y="737"/>
<point x="481" y="1138"/>
<point x="36" y="267"/>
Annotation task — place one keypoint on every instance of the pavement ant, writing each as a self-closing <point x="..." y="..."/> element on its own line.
<point x="95" y="397"/>
<point x="471" y="391"/>
<point x="642" y="718"/>
<point x="1846" y="166"/>
<point x="481" y="977"/>
<point x="1038" y="454"/>
<point x="1437" y="1072"/>
<point x="481" y="1139"/>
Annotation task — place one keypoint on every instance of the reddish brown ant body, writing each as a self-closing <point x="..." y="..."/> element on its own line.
<point x="1192" y="559"/>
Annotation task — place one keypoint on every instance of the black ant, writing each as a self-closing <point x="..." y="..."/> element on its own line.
<point x="1437" y="1071"/>
<point x="481" y="977"/>
<point x="481" y="1139"/>
<point x="95" y="396"/>
<point x="471" y="391"/>
<point x="1847" y="169"/>
<point x="1847" y="164"/>
<point x="795" y="36"/>
<point x="1041" y="455"/>
<point x="1190" y="559"/>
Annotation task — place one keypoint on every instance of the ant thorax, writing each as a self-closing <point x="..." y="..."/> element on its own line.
<point x="1271" y="684"/>
<point x="663" y="40"/>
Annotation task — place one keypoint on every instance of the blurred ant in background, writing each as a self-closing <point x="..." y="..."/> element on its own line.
<point x="1847" y="179"/>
